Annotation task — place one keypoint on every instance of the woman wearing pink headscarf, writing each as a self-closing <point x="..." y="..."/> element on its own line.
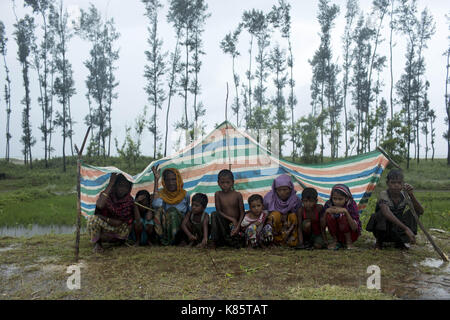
<point x="282" y="203"/>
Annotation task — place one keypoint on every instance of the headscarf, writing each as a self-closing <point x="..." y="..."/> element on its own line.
<point x="350" y="205"/>
<point x="176" y="196"/>
<point x="273" y="203"/>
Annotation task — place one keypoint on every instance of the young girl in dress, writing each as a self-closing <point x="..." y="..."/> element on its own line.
<point x="257" y="232"/>
<point x="342" y="218"/>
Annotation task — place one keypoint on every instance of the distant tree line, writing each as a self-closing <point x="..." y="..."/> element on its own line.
<point x="350" y="111"/>
<point x="351" y="89"/>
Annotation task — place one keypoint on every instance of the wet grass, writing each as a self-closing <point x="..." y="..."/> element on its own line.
<point x="35" y="268"/>
<point x="28" y="207"/>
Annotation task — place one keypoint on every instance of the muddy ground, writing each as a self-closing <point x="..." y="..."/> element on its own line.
<point x="37" y="268"/>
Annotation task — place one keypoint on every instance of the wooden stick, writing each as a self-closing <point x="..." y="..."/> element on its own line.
<point x="79" y="152"/>
<point x="413" y="211"/>
<point x="145" y="207"/>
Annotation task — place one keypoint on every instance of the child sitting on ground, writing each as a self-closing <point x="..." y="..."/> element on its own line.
<point x="143" y="231"/>
<point x="226" y="220"/>
<point x="256" y="231"/>
<point x="195" y="223"/>
<point x="342" y="218"/>
<point x="312" y="222"/>
<point x="390" y="222"/>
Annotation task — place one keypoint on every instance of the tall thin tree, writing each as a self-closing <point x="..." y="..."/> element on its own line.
<point x="426" y="28"/>
<point x="281" y="18"/>
<point x="322" y="65"/>
<point x="347" y="39"/>
<point x="277" y="64"/>
<point x="25" y="38"/>
<point x="64" y="86"/>
<point x="199" y="20"/>
<point x="156" y="67"/>
<point x="229" y="46"/>
<point x="43" y="54"/>
<point x="7" y="92"/>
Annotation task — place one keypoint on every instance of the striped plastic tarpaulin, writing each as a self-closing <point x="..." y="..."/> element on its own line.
<point x="253" y="166"/>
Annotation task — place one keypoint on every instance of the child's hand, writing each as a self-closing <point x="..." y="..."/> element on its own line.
<point x="411" y="236"/>
<point x="202" y="244"/>
<point x="156" y="172"/>
<point x="408" y="188"/>
<point x="192" y="238"/>
<point x="113" y="178"/>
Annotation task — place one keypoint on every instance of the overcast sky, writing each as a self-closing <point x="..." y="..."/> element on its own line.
<point x="216" y="68"/>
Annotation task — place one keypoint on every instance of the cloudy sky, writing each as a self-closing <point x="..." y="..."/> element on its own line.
<point x="216" y="68"/>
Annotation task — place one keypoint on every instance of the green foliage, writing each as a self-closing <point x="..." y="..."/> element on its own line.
<point x="155" y="68"/>
<point x="395" y="145"/>
<point x="130" y="150"/>
<point x="100" y="81"/>
<point x="306" y="132"/>
<point x="25" y="38"/>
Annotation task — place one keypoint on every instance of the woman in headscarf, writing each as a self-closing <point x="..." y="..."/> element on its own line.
<point x="114" y="213"/>
<point x="283" y="206"/>
<point x="342" y="217"/>
<point x="171" y="204"/>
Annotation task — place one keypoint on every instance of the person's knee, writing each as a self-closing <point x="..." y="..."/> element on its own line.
<point x="343" y="224"/>
<point x="292" y="217"/>
<point x="330" y="220"/>
<point x="306" y="226"/>
<point x="149" y="228"/>
<point x="138" y="227"/>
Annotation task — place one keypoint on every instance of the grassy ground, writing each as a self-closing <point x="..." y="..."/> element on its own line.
<point x="46" y="196"/>
<point x="35" y="268"/>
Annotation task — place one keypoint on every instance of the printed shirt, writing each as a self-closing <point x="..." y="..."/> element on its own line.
<point x="120" y="209"/>
<point x="247" y="221"/>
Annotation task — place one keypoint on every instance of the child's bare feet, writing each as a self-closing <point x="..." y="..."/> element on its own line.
<point x="378" y="245"/>
<point x="332" y="245"/>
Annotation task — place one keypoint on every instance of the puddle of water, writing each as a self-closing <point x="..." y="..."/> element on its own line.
<point x="438" y="230"/>
<point x="11" y="247"/>
<point x="435" y="288"/>
<point x="8" y="270"/>
<point x="436" y="263"/>
<point x="36" y="230"/>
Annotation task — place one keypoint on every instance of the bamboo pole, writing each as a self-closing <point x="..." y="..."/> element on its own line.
<point x="413" y="211"/>
<point x="79" y="153"/>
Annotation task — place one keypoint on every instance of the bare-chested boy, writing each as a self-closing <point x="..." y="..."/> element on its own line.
<point x="226" y="220"/>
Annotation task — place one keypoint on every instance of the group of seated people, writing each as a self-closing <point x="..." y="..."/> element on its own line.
<point x="170" y="217"/>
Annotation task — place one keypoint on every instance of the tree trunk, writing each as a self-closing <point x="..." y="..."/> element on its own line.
<point x="447" y="107"/>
